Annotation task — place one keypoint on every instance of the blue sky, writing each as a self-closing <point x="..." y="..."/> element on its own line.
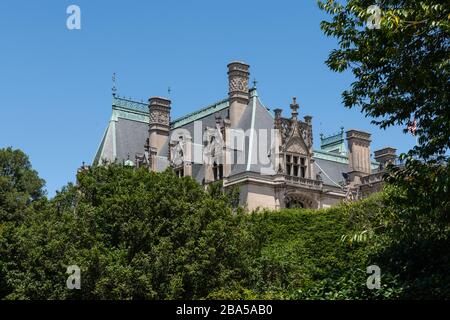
<point x="55" y="83"/>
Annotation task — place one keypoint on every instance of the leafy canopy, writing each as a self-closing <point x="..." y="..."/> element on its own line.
<point x="20" y="185"/>
<point x="401" y="70"/>
<point x="134" y="234"/>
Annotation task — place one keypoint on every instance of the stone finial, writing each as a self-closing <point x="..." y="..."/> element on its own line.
<point x="294" y="108"/>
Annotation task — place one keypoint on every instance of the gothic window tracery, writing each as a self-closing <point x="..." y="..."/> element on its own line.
<point x="295" y="165"/>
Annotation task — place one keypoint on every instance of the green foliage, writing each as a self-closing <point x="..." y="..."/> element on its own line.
<point x="21" y="191"/>
<point x="302" y="255"/>
<point x="231" y="195"/>
<point x="19" y="185"/>
<point x="142" y="235"/>
<point x="134" y="234"/>
<point x="401" y="70"/>
<point x="417" y="243"/>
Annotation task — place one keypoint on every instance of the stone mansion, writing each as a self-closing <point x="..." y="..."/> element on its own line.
<point x="268" y="155"/>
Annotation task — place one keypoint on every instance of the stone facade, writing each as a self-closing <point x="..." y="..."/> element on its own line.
<point x="239" y="141"/>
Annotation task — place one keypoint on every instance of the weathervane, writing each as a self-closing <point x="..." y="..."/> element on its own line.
<point x="254" y="82"/>
<point x="169" y="90"/>
<point x="114" y="89"/>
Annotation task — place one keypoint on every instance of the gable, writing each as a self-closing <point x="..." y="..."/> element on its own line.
<point x="296" y="145"/>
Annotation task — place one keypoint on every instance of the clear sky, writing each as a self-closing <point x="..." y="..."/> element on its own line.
<point x="55" y="83"/>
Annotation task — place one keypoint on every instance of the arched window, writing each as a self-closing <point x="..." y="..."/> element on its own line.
<point x="293" y="204"/>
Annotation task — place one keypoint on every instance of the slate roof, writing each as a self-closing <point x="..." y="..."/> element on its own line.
<point x="127" y="130"/>
<point x="126" y="133"/>
<point x="200" y="114"/>
<point x="255" y="117"/>
<point x="330" y="171"/>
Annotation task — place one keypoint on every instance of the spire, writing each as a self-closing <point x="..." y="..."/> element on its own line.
<point x="294" y="108"/>
<point x="253" y="91"/>
<point x="254" y="83"/>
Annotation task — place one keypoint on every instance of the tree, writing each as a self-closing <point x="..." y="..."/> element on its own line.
<point x="20" y="189"/>
<point x="20" y="185"/>
<point x="134" y="234"/>
<point x="401" y="70"/>
<point x="416" y="245"/>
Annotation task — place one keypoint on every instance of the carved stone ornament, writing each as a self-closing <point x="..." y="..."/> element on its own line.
<point x="163" y="118"/>
<point x="177" y="153"/>
<point x="213" y="146"/>
<point x="238" y="84"/>
<point x="296" y="148"/>
<point x="159" y="117"/>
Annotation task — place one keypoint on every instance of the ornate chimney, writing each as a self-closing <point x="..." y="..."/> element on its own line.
<point x="238" y="75"/>
<point x="159" y="126"/>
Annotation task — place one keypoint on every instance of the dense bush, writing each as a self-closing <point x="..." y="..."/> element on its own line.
<point x="315" y="254"/>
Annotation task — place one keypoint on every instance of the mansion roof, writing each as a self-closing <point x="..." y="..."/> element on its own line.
<point x="127" y="132"/>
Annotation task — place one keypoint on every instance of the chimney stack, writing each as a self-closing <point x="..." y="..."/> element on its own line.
<point x="358" y="155"/>
<point x="159" y="126"/>
<point x="238" y="75"/>
<point x="385" y="156"/>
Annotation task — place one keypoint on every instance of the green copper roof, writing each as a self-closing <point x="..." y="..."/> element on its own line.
<point x="138" y="111"/>
<point x="331" y="156"/>
<point x="130" y="105"/>
<point x="336" y="157"/>
<point x="129" y="109"/>
<point x="332" y="139"/>
<point x="223" y="104"/>
<point x="334" y="143"/>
